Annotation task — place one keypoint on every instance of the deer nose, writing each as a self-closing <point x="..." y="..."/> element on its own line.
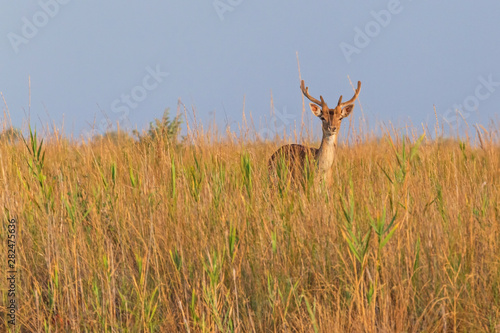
<point x="332" y="128"/>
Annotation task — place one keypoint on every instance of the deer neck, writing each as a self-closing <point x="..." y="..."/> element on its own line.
<point x="326" y="153"/>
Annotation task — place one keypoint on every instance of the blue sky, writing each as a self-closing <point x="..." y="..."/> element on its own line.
<point x="90" y="62"/>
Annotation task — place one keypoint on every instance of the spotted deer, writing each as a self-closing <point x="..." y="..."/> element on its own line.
<point x="296" y="156"/>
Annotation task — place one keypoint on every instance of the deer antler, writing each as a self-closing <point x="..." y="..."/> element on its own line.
<point x="351" y="101"/>
<point x="305" y="91"/>
<point x="340" y="100"/>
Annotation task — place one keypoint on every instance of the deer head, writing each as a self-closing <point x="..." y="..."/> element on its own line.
<point x="331" y="118"/>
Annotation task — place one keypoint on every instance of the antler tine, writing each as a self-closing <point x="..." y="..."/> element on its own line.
<point x="305" y="91"/>
<point x="351" y="101"/>
<point x="340" y="100"/>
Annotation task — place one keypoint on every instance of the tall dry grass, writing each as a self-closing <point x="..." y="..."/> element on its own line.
<point x="125" y="236"/>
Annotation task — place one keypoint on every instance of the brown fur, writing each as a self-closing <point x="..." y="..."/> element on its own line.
<point x="295" y="157"/>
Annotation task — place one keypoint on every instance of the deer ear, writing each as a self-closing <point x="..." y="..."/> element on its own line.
<point x="316" y="110"/>
<point x="347" y="110"/>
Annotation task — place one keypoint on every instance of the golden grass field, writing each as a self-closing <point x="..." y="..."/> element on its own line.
<point x="117" y="235"/>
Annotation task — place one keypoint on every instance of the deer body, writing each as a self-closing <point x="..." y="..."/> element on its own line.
<point x="296" y="156"/>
